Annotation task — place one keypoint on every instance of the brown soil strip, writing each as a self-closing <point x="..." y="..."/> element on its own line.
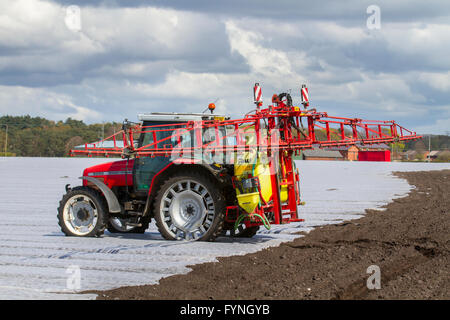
<point x="410" y="242"/>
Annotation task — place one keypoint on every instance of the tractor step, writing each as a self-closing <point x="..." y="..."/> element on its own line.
<point x="135" y="213"/>
<point x="131" y="224"/>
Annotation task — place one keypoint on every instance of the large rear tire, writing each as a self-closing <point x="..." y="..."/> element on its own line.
<point x="82" y="212"/>
<point x="189" y="206"/>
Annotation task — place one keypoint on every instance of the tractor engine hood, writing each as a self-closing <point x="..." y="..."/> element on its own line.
<point x="113" y="174"/>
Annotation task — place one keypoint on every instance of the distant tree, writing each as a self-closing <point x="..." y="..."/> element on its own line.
<point x="74" y="123"/>
<point x="73" y="142"/>
<point x="420" y="146"/>
<point x="398" y="146"/>
<point x="444" y="156"/>
<point x="420" y="156"/>
<point x="35" y="136"/>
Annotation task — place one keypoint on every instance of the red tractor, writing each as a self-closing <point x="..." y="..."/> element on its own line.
<point x="203" y="175"/>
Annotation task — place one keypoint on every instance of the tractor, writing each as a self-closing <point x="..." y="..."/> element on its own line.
<point x="203" y="175"/>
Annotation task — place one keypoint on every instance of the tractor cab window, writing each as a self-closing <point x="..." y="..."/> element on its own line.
<point x="169" y="136"/>
<point x="156" y="131"/>
<point x="162" y="135"/>
<point x="157" y="135"/>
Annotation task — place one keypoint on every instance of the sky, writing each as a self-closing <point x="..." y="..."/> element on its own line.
<point x="110" y="60"/>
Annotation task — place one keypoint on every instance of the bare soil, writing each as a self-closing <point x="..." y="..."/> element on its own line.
<point x="409" y="241"/>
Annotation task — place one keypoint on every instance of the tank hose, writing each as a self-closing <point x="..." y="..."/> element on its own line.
<point x="288" y="98"/>
<point x="297" y="128"/>
<point x="263" y="218"/>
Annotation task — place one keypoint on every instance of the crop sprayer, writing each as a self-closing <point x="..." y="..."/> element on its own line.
<point x="201" y="175"/>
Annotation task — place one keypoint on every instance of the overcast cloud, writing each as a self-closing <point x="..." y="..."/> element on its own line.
<point x="142" y="56"/>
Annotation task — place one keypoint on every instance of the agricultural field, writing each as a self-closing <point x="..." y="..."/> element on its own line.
<point x="36" y="259"/>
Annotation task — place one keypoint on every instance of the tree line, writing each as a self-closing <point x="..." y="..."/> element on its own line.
<point x="38" y="137"/>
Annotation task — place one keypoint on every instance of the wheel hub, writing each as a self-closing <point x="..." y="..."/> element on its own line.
<point x="80" y="215"/>
<point x="83" y="214"/>
<point x="188" y="209"/>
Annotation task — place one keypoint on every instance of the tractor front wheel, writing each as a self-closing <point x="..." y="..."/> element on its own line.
<point x="82" y="212"/>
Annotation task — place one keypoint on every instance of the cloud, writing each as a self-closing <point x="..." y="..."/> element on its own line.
<point x="287" y="10"/>
<point x="264" y="61"/>
<point x="110" y="40"/>
<point x="142" y="56"/>
<point x="40" y="102"/>
<point x="438" y="80"/>
<point x="440" y="126"/>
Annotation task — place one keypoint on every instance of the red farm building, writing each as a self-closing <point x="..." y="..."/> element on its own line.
<point x="375" y="152"/>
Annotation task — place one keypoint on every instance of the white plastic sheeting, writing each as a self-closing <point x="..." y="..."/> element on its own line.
<point x="37" y="261"/>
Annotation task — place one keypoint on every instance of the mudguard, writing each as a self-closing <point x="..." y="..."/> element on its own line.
<point x="111" y="199"/>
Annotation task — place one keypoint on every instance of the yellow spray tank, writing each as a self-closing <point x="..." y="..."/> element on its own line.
<point x="248" y="201"/>
<point x="254" y="164"/>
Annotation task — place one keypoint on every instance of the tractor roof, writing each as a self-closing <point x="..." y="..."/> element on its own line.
<point x="174" y="116"/>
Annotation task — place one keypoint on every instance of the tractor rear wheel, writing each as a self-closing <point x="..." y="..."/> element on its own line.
<point x="82" y="212"/>
<point x="189" y="206"/>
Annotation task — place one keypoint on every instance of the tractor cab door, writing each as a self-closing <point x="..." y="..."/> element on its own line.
<point x="155" y="135"/>
<point x="171" y="136"/>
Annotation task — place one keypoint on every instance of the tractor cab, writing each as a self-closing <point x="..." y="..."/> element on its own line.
<point x="164" y="131"/>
